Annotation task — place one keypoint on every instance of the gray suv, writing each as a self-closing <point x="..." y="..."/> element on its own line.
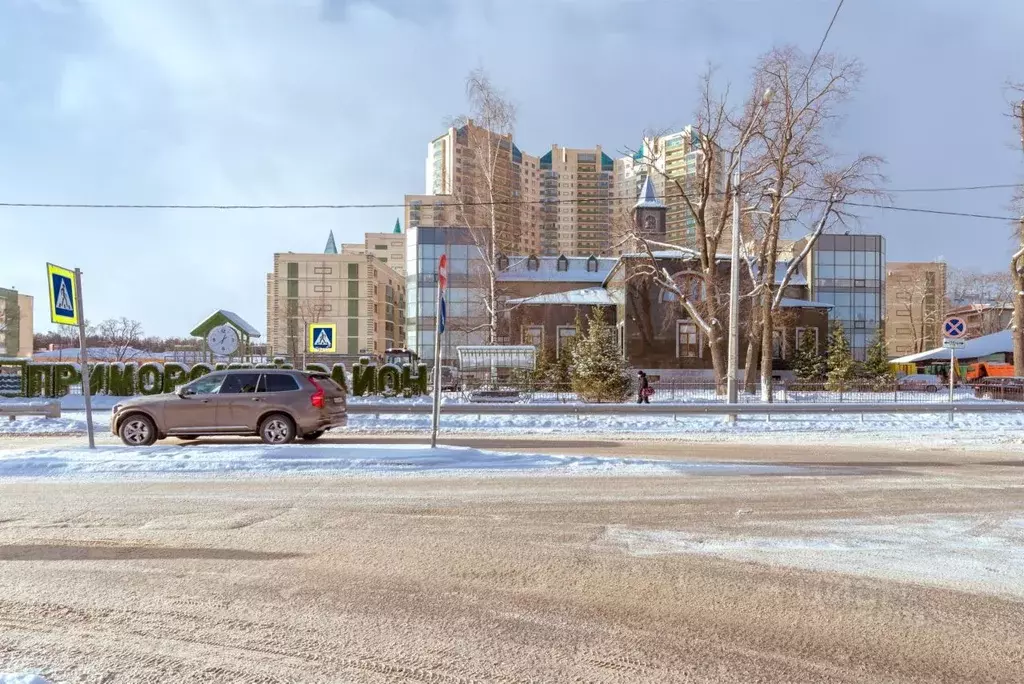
<point x="277" y="405"/>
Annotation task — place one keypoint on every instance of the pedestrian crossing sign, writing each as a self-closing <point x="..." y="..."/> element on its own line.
<point x="63" y="298"/>
<point x="323" y="338"/>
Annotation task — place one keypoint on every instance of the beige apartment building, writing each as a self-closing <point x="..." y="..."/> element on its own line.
<point x="360" y="293"/>
<point x="16" y="332"/>
<point x="389" y="248"/>
<point x="576" y="191"/>
<point x="915" y="299"/>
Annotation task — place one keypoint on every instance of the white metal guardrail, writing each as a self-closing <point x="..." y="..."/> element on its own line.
<point x="47" y="409"/>
<point x="682" y="409"/>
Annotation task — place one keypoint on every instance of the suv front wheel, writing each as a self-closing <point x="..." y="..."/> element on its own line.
<point x="137" y="430"/>
<point x="277" y="428"/>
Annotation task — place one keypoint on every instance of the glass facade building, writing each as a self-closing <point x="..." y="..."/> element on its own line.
<point x="848" y="271"/>
<point x="466" y="313"/>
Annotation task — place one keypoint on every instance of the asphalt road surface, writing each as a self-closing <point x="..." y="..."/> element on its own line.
<point x="456" y="579"/>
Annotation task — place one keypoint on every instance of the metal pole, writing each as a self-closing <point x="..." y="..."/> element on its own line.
<point x="84" y="358"/>
<point x="437" y="368"/>
<point x="734" y="295"/>
<point x="952" y="371"/>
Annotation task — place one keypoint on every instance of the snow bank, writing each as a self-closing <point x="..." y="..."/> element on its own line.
<point x="355" y="459"/>
<point x="969" y="553"/>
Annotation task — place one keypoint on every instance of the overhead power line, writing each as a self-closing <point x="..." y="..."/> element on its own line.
<point x="577" y="200"/>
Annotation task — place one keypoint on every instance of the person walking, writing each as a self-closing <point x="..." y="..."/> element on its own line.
<point x="643" y="391"/>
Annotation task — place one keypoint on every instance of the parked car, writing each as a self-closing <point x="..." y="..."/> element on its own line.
<point x="1009" y="388"/>
<point x="920" y="382"/>
<point x="277" y="405"/>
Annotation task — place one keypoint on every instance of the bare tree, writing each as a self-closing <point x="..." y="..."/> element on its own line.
<point x="1017" y="260"/>
<point x="486" y="201"/>
<point x="987" y="298"/>
<point x="121" y="336"/>
<point x="802" y="183"/>
<point x="706" y="197"/>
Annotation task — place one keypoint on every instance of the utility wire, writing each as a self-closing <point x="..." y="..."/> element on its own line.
<point x="548" y="202"/>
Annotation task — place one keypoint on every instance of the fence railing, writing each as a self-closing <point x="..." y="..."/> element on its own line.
<point x="386" y="408"/>
<point x="708" y="392"/>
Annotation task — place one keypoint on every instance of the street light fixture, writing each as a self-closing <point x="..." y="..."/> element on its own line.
<point x="734" y="271"/>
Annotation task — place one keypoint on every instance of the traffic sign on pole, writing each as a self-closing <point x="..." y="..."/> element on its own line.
<point x="954" y="327"/>
<point x="954" y="344"/>
<point x="63" y="295"/>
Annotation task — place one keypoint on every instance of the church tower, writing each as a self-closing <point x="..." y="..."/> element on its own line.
<point x="649" y="214"/>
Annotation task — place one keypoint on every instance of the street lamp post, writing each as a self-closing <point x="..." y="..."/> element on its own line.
<point x="734" y="270"/>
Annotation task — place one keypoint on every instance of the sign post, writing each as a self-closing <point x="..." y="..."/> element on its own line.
<point x="66" y="309"/>
<point x="953" y="329"/>
<point x="442" y="283"/>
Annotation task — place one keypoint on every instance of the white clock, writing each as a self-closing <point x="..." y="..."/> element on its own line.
<point x="222" y="340"/>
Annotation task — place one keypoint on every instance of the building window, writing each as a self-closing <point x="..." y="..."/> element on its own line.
<point x="533" y="334"/>
<point x="563" y="263"/>
<point x="293" y="269"/>
<point x="532" y="263"/>
<point x="813" y="332"/>
<point x="687" y="340"/>
<point x="778" y="344"/>
<point x="502" y="262"/>
<point x="592" y="264"/>
<point x="565" y="333"/>
<point x="323" y="288"/>
<point x="323" y="270"/>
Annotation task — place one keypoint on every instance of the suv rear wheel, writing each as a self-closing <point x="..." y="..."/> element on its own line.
<point x="137" y="430"/>
<point x="277" y="428"/>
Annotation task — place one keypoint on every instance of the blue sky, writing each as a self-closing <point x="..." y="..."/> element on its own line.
<point x="333" y="101"/>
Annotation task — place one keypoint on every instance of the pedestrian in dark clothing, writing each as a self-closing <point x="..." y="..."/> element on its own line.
<point x="643" y="392"/>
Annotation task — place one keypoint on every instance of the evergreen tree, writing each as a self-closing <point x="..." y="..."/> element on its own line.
<point x="841" y="368"/>
<point x="544" y="371"/>
<point x="808" y="362"/>
<point x="876" y="366"/>
<point x="599" y="371"/>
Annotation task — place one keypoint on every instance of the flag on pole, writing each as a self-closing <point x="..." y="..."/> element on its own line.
<point x="443" y="314"/>
<point x="442" y="272"/>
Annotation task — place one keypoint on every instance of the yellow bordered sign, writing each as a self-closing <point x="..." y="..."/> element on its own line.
<point x="63" y="297"/>
<point x="323" y="338"/>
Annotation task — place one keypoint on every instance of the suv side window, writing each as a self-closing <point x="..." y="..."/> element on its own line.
<point x="240" y="383"/>
<point x="206" y="385"/>
<point x="278" y="382"/>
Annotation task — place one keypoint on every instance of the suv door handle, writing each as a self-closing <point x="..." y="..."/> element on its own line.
<point x="255" y="399"/>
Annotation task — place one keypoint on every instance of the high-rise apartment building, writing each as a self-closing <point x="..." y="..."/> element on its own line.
<point x="915" y="299"/>
<point x="359" y="292"/>
<point x="457" y="188"/>
<point x="576" y="190"/>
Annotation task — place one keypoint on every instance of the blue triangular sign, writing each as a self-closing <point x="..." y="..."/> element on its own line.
<point x="444" y="315"/>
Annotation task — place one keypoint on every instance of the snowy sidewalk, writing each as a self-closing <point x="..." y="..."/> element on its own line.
<point x="348" y="459"/>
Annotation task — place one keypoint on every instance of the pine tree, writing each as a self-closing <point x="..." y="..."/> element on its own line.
<point x="808" y="363"/>
<point x="599" y="371"/>
<point x="841" y="368"/>
<point x="876" y="366"/>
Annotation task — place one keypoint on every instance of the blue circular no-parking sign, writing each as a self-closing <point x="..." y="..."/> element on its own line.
<point x="954" y="327"/>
